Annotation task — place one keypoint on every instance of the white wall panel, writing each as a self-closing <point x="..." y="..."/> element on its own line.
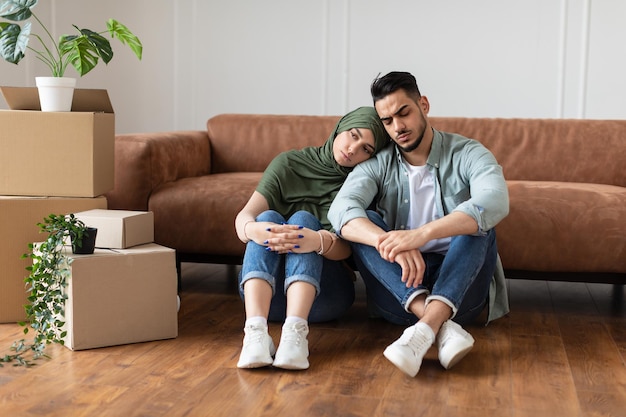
<point x="142" y="92"/>
<point x="484" y="58"/>
<point x="260" y="57"/>
<point x="606" y="67"/>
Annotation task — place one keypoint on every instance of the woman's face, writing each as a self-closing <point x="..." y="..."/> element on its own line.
<point x="353" y="146"/>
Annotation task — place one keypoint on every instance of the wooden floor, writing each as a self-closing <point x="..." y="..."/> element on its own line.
<point x="561" y="352"/>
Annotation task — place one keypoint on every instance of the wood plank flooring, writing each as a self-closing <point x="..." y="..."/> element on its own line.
<point x="560" y="352"/>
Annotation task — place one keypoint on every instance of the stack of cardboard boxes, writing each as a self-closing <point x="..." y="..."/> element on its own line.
<point x="52" y="162"/>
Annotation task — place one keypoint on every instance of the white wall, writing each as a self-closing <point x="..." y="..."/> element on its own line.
<point x="483" y="58"/>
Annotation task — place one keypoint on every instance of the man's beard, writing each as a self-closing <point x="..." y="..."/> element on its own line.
<point x="414" y="145"/>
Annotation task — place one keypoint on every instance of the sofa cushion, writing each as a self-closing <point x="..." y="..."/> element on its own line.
<point x="557" y="226"/>
<point x="197" y="214"/>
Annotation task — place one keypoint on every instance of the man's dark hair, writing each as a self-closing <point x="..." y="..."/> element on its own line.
<point x="383" y="86"/>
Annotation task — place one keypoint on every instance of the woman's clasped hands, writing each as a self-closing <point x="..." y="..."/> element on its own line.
<point x="286" y="238"/>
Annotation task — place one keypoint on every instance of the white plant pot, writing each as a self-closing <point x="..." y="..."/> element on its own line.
<point x="55" y="93"/>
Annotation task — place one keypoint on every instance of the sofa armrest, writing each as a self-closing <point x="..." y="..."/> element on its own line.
<point x="144" y="161"/>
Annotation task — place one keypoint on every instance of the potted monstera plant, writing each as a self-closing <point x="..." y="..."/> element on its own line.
<point x="83" y="49"/>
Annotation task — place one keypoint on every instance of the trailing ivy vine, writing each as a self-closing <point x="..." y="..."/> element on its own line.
<point x="46" y="283"/>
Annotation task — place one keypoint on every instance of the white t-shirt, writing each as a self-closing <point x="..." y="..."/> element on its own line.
<point x="423" y="209"/>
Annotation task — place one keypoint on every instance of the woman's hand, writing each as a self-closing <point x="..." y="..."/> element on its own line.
<point x="289" y="238"/>
<point x="258" y="231"/>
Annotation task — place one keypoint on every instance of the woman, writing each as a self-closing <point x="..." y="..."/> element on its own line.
<point x="292" y="267"/>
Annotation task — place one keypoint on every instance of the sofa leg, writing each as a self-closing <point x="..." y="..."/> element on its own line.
<point x="617" y="300"/>
<point x="179" y="273"/>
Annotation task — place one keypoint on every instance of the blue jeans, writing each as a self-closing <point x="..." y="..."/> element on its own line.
<point x="461" y="277"/>
<point x="333" y="280"/>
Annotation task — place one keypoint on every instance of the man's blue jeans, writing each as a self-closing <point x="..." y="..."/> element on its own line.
<point x="333" y="280"/>
<point x="461" y="277"/>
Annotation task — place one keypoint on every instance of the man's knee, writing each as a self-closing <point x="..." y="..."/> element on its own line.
<point x="377" y="219"/>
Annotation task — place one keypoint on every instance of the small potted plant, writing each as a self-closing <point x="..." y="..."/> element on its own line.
<point x="82" y="50"/>
<point x="59" y="227"/>
<point x="46" y="283"/>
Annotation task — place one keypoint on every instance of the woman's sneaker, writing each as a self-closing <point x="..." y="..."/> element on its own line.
<point x="293" y="349"/>
<point x="408" y="351"/>
<point x="258" y="347"/>
<point x="453" y="343"/>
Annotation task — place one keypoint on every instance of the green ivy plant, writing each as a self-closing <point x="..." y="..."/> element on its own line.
<point x="46" y="283"/>
<point x="82" y="50"/>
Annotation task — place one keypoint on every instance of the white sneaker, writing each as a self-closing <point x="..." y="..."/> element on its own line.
<point x="293" y="349"/>
<point x="258" y="348"/>
<point x="453" y="343"/>
<point x="408" y="351"/>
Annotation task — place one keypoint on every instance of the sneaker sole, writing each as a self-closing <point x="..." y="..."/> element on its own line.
<point x="398" y="360"/>
<point x="259" y="363"/>
<point x="456" y="358"/>
<point x="291" y="366"/>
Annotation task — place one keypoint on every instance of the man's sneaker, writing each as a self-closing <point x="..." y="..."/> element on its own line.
<point x="293" y="349"/>
<point x="258" y="348"/>
<point x="408" y="351"/>
<point x="453" y="343"/>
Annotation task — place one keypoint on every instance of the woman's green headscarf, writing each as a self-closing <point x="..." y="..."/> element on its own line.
<point x="309" y="178"/>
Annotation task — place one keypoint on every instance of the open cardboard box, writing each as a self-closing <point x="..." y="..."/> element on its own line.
<point x="63" y="154"/>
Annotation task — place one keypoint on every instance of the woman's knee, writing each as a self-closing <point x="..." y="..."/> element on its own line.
<point x="270" y="216"/>
<point x="305" y="219"/>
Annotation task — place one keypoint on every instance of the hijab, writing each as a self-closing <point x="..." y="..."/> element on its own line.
<point x="309" y="178"/>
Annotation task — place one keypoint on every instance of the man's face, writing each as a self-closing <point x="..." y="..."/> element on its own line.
<point x="404" y="119"/>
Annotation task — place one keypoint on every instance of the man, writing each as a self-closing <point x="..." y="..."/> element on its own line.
<point x="428" y="252"/>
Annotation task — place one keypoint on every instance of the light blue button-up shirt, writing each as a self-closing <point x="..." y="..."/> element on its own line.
<point x="467" y="179"/>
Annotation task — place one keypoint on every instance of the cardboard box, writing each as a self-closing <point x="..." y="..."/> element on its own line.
<point x="121" y="296"/>
<point x="18" y="226"/>
<point x="120" y="229"/>
<point x="64" y="154"/>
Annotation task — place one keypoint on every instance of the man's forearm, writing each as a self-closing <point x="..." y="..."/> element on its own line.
<point x="453" y="224"/>
<point x="361" y="230"/>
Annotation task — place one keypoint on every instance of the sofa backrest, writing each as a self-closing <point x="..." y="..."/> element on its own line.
<point x="248" y="142"/>
<point x="570" y="150"/>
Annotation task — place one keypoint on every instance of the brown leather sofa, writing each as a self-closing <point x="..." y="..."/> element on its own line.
<point x="566" y="178"/>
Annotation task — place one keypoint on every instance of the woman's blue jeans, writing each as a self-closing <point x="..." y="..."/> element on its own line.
<point x="462" y="277"/>
<point x="333" y="280"/>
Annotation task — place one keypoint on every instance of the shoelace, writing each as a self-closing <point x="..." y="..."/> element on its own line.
<point x="294" y="334"/>
<point x="255" y="334"/>
<point x="415" y="342"/>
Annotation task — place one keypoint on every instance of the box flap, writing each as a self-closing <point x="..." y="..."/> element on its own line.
<point x="85" y="100"/>
<point x="21" y="98"/>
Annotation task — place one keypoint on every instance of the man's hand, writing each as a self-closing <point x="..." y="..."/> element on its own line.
<point x="413" y="267"/>
<point x="401" y="246"/>
<point x="391" y="244"/>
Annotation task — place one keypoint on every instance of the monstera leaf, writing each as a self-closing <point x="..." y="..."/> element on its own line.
<point x="83" y="50"/>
